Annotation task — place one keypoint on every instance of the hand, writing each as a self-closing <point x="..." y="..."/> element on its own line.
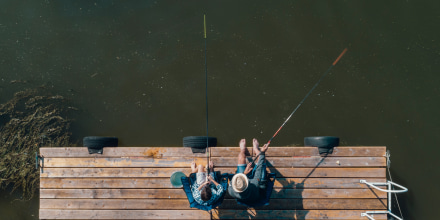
<point x="203" y="184"/>
<point x="210" y="178"/>
<point x="248" y="168"/>
<point x="264" y="148"/>
<point x="207" y="182"/>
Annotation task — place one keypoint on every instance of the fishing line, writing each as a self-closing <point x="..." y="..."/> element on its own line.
<point x="322" y="77"/>
<point x="206" y="94"/>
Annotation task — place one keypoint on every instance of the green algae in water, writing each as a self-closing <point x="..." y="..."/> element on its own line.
<point x="30" y="120"/>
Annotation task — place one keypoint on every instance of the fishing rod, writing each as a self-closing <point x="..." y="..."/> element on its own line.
<point x="206" y="95"/>
<point x="322" y="77"/>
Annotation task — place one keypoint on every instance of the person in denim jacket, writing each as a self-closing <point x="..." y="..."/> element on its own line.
<point x="205" y="190"/>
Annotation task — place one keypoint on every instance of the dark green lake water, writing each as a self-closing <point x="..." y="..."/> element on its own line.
<point x="135" y="70"/>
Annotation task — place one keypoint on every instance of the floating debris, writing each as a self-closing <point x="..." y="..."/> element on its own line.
<point x="93" y="75"/>
<point x="18" y="81"/>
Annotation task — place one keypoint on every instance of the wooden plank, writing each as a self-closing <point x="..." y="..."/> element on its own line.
<point x="328" y="172"/>
<point x="182" y="204"/>
<point x="313" y="161"/>
<point x="112" y="172"/>
<point x="112" y="194"/>
<point x="121" y="204"/>
<point x="323" y="183"/>
<point x="223" y="161"/>
<point x="321" y="204"/>
<point x="122" y="162"/>
<point x="328" y="194"/>
<point x="193" y="214"/>
<point x="278" y="193"/>
<point x="292" y="214"/>
<point x="167" y="172"/>
<point x="164" y="183"/>
<point x="345" y="151"/>
<point x="96" y="183"/>
<point x="122" y="214"/>
<point x="158" y="152"/>
<point x="155" y="152"/>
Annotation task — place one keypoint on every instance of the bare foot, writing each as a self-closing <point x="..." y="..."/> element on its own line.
<point x="211" y="165"/>
<point x="264" y="148"/>
<point x="256" y="146"/>
<point x="242" y="144"/>
<point x="193" y="167"/>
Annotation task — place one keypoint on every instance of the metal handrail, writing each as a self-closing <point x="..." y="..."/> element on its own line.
<point x="403" y="189"/>
<point x="366" y="214"/>
<point x="389" y="191"/>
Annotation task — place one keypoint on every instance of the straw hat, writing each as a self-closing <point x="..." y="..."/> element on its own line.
<point x="240" y="182"/>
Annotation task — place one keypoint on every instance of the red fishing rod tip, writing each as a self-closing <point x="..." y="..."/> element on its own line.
<point x="340" y="56"/>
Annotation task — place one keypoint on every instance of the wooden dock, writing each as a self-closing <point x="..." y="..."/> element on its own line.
<point x="133" y="183"/>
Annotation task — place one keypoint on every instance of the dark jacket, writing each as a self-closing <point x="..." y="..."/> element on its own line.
<point x="188" y="181"/>
<point x="253" y="192"/>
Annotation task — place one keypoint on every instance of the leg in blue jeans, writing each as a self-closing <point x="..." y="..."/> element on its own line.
<point x="259" y="171"/>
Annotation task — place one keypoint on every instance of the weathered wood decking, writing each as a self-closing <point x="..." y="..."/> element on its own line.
<point x="133" y="183"/>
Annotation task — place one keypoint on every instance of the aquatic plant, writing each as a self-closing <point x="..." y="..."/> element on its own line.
<point x="28" y="121"/>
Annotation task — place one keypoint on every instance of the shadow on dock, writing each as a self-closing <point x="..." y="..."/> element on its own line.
<point x="281" y="199"/>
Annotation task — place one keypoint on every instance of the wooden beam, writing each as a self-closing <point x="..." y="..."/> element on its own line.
<point x="180" y="162"/>
<point x="112" y="172"/>
<point x="153" y="152"/>
<point x="328" y="172"/>
<point x="321" y="204"/>
<point x="197" y="214"/>
<point x="112" y="194"/>
<point x="115" y="204"/>
<point x="328" y="194"/>
<point x="323" y="183"/>
<point x="292" y="214"/>
<point x="278" y="193"/>
<point x="105" y="183"/>
<point x="182" y="204"/>
<point x="167" y="172"/>
<point x="164" y="183"/>
<point x="122" y="214"/>
<point x="159" y="152"/>
<point x="346" y="151"/>
<point x="185" y="162"/>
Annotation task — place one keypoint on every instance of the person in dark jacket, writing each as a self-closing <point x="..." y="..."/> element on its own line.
<point x="247" y="183"/>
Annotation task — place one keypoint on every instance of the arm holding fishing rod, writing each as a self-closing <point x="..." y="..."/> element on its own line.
<point x="250" y="177"/>
<point x="205" y="189"/>
<point x="257" y="152"/>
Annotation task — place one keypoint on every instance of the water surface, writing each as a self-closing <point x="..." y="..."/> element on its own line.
<point x="135" y="70"/>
